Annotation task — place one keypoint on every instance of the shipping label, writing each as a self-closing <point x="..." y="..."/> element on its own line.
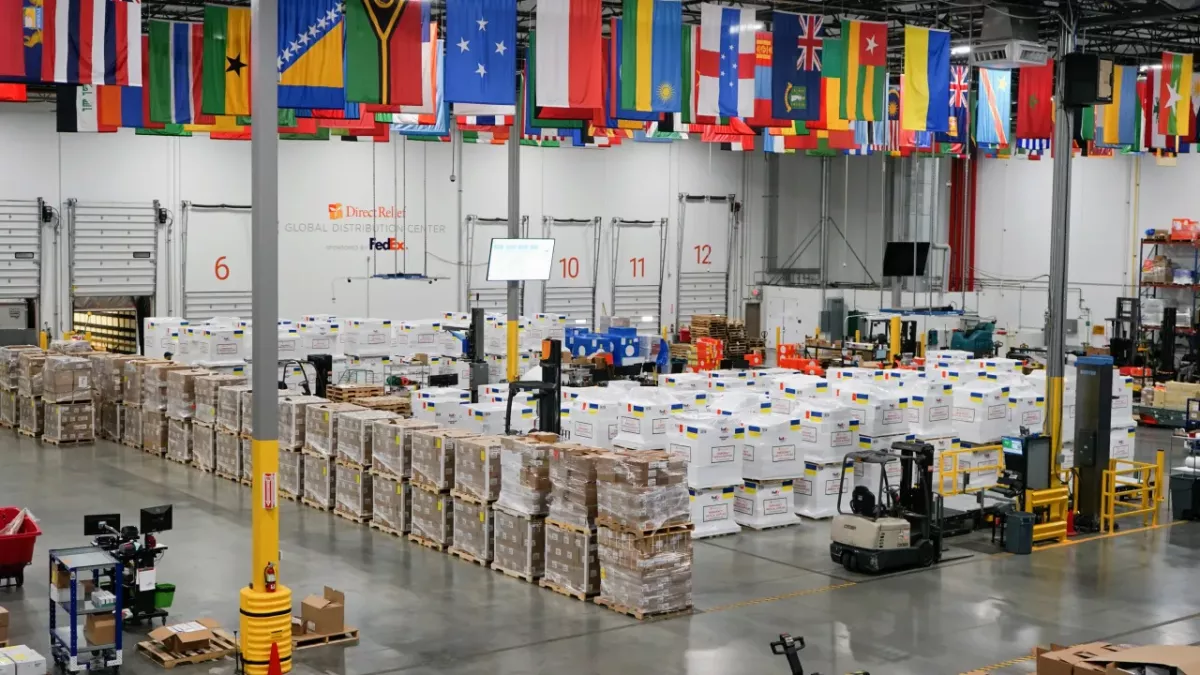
<point x="893" y="416"/>
<point x="426" y="338"/>
<point x="832" y="487"/>
<point x="997" y="412"/>
<point x="743" y="505"/>
<point x="630" y="425"/>
<point x="964" y="414"/>
<point x="808" y="434"/>
<point x="680" y="451"/>
<point x="939" y="413"/>
<point x="612" y="431"/>
<point x="322" y="343"/>
<point x="723" y="453"/>
<point x="375" y="338"/>
<point x="227" y="349"/>
<point x="913" y="414"/>
<point x="783" y="453"/>
<point x="803" y="486"/>
<point x="1031" y="417"/>
<point x="841" y="438"/>
<point x="659" y="426"/>
<point x="713" y="512"/>
<point x="583" y="429"/>
<point x="747" y="453"/>
<point x="776" y="506"/>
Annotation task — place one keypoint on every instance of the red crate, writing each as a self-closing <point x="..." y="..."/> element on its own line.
<point x="16" y="551"/>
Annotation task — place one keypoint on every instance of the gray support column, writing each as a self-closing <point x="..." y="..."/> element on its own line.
<point x="824" y="250"/>
<point x="1060" y="230"/>
<point x="264" y="195"/>
<point x="771" y="211"/>
<point x="514" y="224"/>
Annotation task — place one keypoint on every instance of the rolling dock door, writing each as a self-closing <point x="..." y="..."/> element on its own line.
<point x="706" y="235"/>
<point x="213" y="283"/>
<point x="20" y="269"/>
<point x="113" y="269"/>
<point x="492" y="296"/>
<point x="639" y="259"/>
<point x="571" y="288"/>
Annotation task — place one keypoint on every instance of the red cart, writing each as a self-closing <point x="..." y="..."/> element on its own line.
<point x="16" y="550"/>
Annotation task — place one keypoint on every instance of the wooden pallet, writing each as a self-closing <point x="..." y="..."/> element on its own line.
<point x="289" y="496"/>
<point x="222" y="645"/>
<point x="639" y="614"/>
<point x="428" y="487"/>
<point x="185" y="462"/>
<point x="26" y="432"/>
<point x="348" y="637"/>
<point x="350" y="393"/>
<point x="388" y="530"/>
<point x="205" y="469"/>
<point x="315" y="504"/>
<point x="463" y="555"/>
<point x="570" y="527"/>
<point x="602" y="521"/>
<point x="246" y="481"/>
<point x="131" y="444"/>
<point x="226" y="475"/>
<point x="427" y="542"/>
<point x="379" y="470"/>
<point x="401" y="405"/>
<point x="468" y="497"/>
<point x="361" y="520"/>
<point x="563" y="590"/>
<point x="67" y="444"/>
<point x="528" y="578"/>
<point x="763" y="528"/>
<point x="343" y="460"/>
<point x="7" y="425"/>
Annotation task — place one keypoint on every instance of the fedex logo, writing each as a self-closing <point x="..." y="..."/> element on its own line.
<point x="389" y="244"/>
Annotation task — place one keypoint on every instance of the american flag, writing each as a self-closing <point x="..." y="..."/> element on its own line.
<point x="808" y="44"/>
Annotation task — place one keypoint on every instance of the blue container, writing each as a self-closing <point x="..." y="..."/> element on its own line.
<point x="1018" y="532"/>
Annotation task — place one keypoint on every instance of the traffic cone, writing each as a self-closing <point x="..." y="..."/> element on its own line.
<point x="274" y="667"/>
<point x="1071" y="523"/>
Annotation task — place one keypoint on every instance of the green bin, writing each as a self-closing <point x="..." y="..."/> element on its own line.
<point x="164" y="595"/>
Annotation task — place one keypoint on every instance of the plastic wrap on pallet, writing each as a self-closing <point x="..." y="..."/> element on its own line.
<point x="643" y="420"/>
<point x="204" y="447"/>
<point x="354" y="494"/>
<point x="520" y="542"/>
<point x="29" y="372"/>
<point x="244" y="444"/>
<point x="112" y="418"/>
<point x="229" y="407"/>
<point x="473" y="528"/>
<point x="181" y="392"/>
<point x="477" y="467"/>
<point x="8" y="364"/>
<point x="525" y="473"/>
<point x="642" y="491"/>
<point x="133" y="373"/>
<point x="131" y="435"/>
<point x="30" y="415"/>
<point x="96" y="366"/>
<point x="292" y="419"/>
<point x="320" y="425"/>
<point x="391" y="444"/>
<point x="179" y="440"/>
<point x="319" y="486"/>
<point x="70" y="347"/>
<point x="154" y="384"/>
<point x="8" y="407"/>
<point x="291" y="473"/>
<point x="433" y="456"/>
<point x="573" y="498"/>
<point x="652" y="574"/>
<point x="433" y="515"/>
<point x="154" y="431"/>
<point x="66" y="379"/>
<point x="208" y="398"/>
<point x="69" y="422"/>
<point x="572" y="560"/>
<point x="110" y="376"/>
<point x="393" y="502"/>
<point x="354" y="435"/>
<point x="229" y="454"/>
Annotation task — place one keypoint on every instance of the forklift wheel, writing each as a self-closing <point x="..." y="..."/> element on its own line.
<point x="925" y="553"/>
<point x="848" y="561"/>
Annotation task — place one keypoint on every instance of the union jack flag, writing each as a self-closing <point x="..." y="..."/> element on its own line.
<point x="808" y="43"/>
<point x="959" y="85"/>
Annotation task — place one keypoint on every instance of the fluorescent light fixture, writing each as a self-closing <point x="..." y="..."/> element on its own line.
<point x="647" y="319"/>
<point x="961" y="49"/>
<point x="1156" y="66"/>
<point x="580" y="321"/>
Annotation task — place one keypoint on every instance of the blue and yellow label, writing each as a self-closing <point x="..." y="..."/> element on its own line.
<point x="739" y="432"/>
<point x="692" y="432"/>
<point x="637" y="410"/>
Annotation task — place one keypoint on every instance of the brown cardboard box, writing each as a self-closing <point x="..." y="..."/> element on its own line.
<point x="642" y="491"/>
<point x="133" y="375"/>
<point x="31" y="415"/>
<point x="473" y="528"/>
<point x="650" y="573"/>
<point x="112" y="420"/>
<point x="525" y="480"/>
<point x="1059" y="660"/>
<point x="433" y="456"/>
<point x="573" y="497"/>
<point x="393" y="503"/>
<point x="208" y="398"/>
<point x="154" y="384"/>
<point x="572" y="560"/>
<point x="8" y="407"/>
<point x="319" y="485"/>
<point x="391" y="444"/>
<point x="291" y="472"/>
<point x="66" y="379"/>
<point x="228" y="454"/>
<point x="131" y="432"/>
<point x="204" y="448"/>
<point x="179" y="440"/>
<point x="432" y="515"/>
<point x="292" y="418"/>
<point x="154" y="430"/>
<point x="354" y="434"/>
<point x="1177" y="659"/>
<point x="186" y="637"/>
<point x="229" y="407"/>
<point x="74" y="422"/>
<point x="181" y="392"/>
<point x="324" y="614"/>
<point x="100" y="629"/>
<point x="8" y="364"/>
<point x="477" y="467"/>
<point x="3" y="625"/>
<point x="29" y="372"/>
<point x="520" y="544"/>
<point x="320" y="428"/>
<point x="354" y="491"/>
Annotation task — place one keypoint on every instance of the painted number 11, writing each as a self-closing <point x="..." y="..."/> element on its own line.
<point x="639" y="266"/>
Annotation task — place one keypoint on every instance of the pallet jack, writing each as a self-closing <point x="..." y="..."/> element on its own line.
<point x="790" y="647"/>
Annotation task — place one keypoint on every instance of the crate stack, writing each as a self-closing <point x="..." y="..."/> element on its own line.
<point x="571" y="555"/>
<point x="433" y="454"/>
<point x="368" y="345"/>
<point x="735" y="343"/>
<point x="227" y="449"/>
<point x="772" y="448"/>
<point x="9" y="378"/>
<point x="154" y="405"/>
<point x="398" y="405"/>
<point x="108" y="371"/>
<point x="644" y="537"/>
<point x="204" y="423"/>
<point x="708" y="444"/>
<point x="353" y="484"/>
<point x="476" y="489"/>
<point x="320" y="452"/>
<point x="181" y="411"/>
<point x="131" y="399"/>
<point x="391" y="470"/>
<point x="293" y="418"/>
<point x="69" y="415"/>
<point x="30" y="384"/>
<point x="520" y="511"/>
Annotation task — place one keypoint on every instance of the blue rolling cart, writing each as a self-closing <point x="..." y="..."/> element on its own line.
<point x="71" y="569"/>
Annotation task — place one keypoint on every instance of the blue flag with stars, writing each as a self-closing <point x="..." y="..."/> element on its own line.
<point x="310" y="55"/>
<point x="481" y="62"/>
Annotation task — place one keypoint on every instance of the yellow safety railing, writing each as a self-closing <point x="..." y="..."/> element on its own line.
<point x="1050" y="508"/>
<point x="1131" y="489"/>
<point x="950" y="481"/>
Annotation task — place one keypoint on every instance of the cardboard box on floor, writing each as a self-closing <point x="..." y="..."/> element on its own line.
<point x="185" y="637"/>
<point x="3" y="625"/>
<point x="1077" y="660"/>
<point x="1154" y="660"/>
<point x="323" y="614"/>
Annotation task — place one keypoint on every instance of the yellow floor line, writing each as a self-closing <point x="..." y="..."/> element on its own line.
<point x="785" y="596"/>
<point x="1110" y="535"/>
<point x="998" y="666"/>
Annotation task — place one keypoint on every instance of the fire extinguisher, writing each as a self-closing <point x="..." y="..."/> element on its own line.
<point x="270" y="578"/>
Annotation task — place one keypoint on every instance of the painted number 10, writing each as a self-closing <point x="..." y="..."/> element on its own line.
<point x="703" y="251"/>
<point x="639" y="266"/>
<point x="570" y="267"/>
<point x="221" y="269"/>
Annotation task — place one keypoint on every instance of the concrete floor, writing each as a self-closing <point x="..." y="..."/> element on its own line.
<point x="424" y="612"/>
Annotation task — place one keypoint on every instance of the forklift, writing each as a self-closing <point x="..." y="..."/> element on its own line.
<point x="548" y="390"/>
<point x="902" y="528"/>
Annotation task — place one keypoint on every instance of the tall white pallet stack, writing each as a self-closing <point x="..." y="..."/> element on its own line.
<point x="772" y="461"/>
<point x="828" y="432"/>
<point x="710" y="446"/>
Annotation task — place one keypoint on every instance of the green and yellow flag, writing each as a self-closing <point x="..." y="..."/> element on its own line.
<point x="1175" y="94"/>
<point x="226" y="60"/>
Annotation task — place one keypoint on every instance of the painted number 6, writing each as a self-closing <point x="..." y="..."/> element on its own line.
<point x="221" y="269"/>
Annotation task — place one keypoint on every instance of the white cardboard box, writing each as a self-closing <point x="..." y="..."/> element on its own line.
<point x="771" y="447"/>
<point x="828" y="429"/>
<point x="1121" y="443"/>
<point x="879" y="411"/>
<point x="981" y="412"/>
<point x="446" y="412"/>
<point x="712" y="511"/>
<point x="162" y="335"/>
<point x="930" y="406"/>
<point x="321" y="337"/>
<point x="643" y="420"/>
<point x="708" y="443"/>
<point x="816" y="493"/>
<point x="760" y="504"/>
<point x="368" y="337"/>
<point x="487" y="419"/>
<point x="218" y="345"/>
<point x="1027" y="408"/>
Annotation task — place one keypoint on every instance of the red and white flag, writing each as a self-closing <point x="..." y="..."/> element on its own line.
<point x="725" y="63"/>
<point x="569" y="70"/>
<point x="92" y="41"/>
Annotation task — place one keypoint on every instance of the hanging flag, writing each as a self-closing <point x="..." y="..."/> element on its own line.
<point x="958" y="122"/>
<point x="1034" y="106"/>
<point x="1175" y="94"/>
<point x="893" y="123"/>
<point x="12" y="48"/>
<point x="176" y="91"/>
<point x="726" y="61"/>
<point x="37" y="42"/>
<point x="762" y="84"/>
<point x="864" y="80"/>
<point x="481" y="56"/>
<point x="436" y="125"/>
<point x="548" y="116"/>
<point x="618" y="89"/>
<point x="88" y="41"/>
<point x="119" y="106"/>
<point x="994" y="105"/>
<point x="1152" y="105"/>
<point x="226" y="60"/>
<point x="833" y="65"/>
<point x="1120" y="116"/>
<point x="568" y="68"/>
<point x="311" y="65"/>
<point x="78" y="109"/>
<point x="651" y="55"/>
<point x="927" y="79"/>
<point x="796" y="66"/>
<point x="383" y="50"/>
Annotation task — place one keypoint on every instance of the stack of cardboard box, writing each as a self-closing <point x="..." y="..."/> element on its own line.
<point x="67" y="392"/>
<point x="391" y="469"/>
<point x="154" y="404"/>
<point x="476" y="489"/>
<point x="9" y="377"/>
<point x="433" y="454"/>
<point x="572" y="560"/>
<point x="520" y="511"/>
<point x="30" y="384"/>
<point x="354" y="459"/>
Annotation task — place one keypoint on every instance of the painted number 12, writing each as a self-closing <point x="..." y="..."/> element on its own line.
<point x="703" y="251"/>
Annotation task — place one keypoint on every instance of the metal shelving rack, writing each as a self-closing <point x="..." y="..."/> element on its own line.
<point x="1151" y="289"/>
<point x="84" y="563"/>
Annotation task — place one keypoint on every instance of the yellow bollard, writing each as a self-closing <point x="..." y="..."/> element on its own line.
<point x="266" y="616"/>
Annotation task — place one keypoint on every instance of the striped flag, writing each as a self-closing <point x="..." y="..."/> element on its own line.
<point x="78" y="109"/>
<point x="994" y="107"/>
<point x="176" y="58"/>
<point x="926" y="89"/>
<point x="864" y="80"/>
<point x="1175" y="94"/>
<point x="91" y="41"/>
<point x="725" y="62"/>
<point x="651" y="53"/>
<point x="568" y="68"/>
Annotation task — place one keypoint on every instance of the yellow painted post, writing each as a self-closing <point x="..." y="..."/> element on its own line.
<point x="514" y="356"/>
<point x="778" y="342"/>
<point x="857" y="335"/>
<point x="921" y="345"/>
<point x="1054" y="407"/>
<point x="894" y="338"/>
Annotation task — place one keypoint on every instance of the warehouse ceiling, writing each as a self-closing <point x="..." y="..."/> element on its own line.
<point x="1133" y="29"/>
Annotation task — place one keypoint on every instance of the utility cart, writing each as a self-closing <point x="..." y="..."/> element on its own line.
<point x="77" y="577"/>
<point x="16" y="550"/>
